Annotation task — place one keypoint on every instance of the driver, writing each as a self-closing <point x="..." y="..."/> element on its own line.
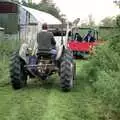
<point x="89" y="37"/>
<point x="46" y="41"/>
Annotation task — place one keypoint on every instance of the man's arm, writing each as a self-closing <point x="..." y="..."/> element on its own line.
<point x="53" y="42"/>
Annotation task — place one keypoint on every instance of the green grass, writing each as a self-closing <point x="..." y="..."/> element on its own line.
<point x="94" y="97"/>
<point x="40" y="101"/>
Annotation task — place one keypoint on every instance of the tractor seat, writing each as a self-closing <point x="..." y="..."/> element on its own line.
<point x="44" y="53"/>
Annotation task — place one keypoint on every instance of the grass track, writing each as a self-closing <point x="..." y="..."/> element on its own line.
<point x="47" y="102"/>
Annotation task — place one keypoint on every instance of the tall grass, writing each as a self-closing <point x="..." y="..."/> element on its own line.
<point x="103" y="74"/>
<point x="6" y="48"/>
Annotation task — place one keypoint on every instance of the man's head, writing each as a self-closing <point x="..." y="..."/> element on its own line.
<point x="44" y="26"/>
<point x="89" y="32"/>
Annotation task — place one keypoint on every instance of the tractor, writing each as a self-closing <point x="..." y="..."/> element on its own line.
<point x="80" y="46"/>
<point x="33" y="63"/>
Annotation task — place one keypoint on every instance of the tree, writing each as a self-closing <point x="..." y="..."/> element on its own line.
<point x="108" y="22"/>
<point x="46" y="1"/>
<point x="118" y="20"/>
<point x="91" y="22"/>
<point x="84" y="25"/>
<point x="47" y="6"/>
<point x="117" y="2"/>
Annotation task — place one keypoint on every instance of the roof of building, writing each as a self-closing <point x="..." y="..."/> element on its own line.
<point x="42" y="17"/>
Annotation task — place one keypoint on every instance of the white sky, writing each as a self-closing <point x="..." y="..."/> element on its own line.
<point x="82" y="8"/>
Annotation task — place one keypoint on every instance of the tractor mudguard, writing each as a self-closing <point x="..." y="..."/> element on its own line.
<point x="59" y="51"/>
<point x="23" y="52"/>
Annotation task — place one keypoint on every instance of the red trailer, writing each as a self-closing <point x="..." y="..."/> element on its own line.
<point x="82" y="48"/>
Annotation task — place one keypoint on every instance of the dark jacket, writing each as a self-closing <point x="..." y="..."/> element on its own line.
<point x="92" y="39"/>
<point x="78" y="37"/>
<point x="45" y="40"/>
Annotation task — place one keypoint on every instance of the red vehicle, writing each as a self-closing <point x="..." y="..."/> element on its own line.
<point x="83" y="45"/>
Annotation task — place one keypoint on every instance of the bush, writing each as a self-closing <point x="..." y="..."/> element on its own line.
<point x="103" y="72"/>
<point x="8" y="46"/>
<point x="4" y="72"/>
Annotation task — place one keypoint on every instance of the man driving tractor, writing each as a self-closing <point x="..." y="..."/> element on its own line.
<point x="46" y="41"/>
<point x="89" y="37"/>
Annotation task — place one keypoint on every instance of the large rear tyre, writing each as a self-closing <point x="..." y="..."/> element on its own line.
<point x="66" y="71"/>
<point x="18" y="74"/>
<point x="74" y="71"/>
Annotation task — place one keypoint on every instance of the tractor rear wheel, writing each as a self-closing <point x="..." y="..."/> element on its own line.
<point x="74" y="71"/>
<point x="18" y="74"/>
<point x="67" y="71"/>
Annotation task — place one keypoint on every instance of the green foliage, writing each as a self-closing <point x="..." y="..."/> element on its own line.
<point x="96" y="95"/>
<point x="8" y="46"/>
<point x="4" y="71"/>
<point x="108" y="22"/>
<point x="103" y="73"/>
<point x="115" y="44"/>
<point x="47" y="6"/>
<point x="108" y="33"/>
<point x="45" y="101"/>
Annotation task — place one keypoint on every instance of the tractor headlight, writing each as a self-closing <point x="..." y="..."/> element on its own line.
<point x="29" y="51"/>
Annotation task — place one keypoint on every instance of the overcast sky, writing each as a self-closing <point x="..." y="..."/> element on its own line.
<point x="82" y="8"/>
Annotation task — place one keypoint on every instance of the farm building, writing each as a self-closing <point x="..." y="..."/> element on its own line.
<point x="23" y="22"/>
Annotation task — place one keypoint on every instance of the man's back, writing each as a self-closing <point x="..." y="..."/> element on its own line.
<point x="45" y="40"/>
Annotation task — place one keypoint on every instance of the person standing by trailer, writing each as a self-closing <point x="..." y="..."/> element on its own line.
<point x="89" y="37"/>
<point x="78" y="37"/>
